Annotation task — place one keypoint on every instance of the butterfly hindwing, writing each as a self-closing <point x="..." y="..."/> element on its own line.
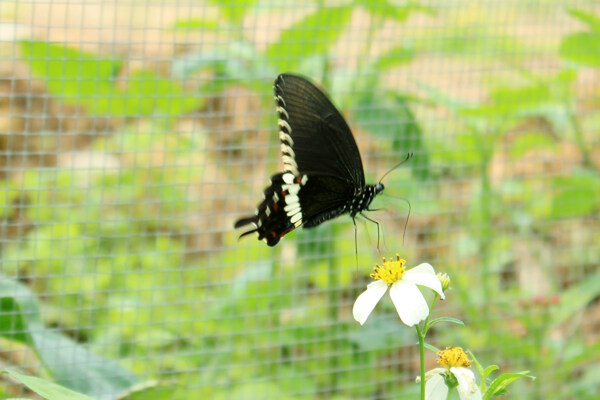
<point x="324" y="197"/>
<point x="280" y="211"/>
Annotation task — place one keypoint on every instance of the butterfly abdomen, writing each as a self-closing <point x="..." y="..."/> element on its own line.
<point x="363" y="198"/>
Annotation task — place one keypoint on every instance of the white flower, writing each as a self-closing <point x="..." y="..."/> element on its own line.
<point x="455" y="363"/>
<point x="408" y="300"/>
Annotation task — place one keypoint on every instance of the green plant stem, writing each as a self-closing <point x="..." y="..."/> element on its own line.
<point x="421" y="336"/>
<point x="587" y="161"/>
<point x="375" y="22"/>
<point x="485" y="230"/>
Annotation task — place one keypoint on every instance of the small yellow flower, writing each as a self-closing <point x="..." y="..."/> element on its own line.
<point x="455" y="365"/>
<point x="408" y="300"/>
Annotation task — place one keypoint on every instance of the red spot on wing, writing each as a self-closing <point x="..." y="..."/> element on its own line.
<point x="288" y="230"/>
<point x="275" y="206"/>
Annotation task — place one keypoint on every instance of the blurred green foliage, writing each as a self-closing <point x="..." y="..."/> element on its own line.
<point x="92" y="82"/>
<point x="583" y="47"/>
<point x="22" y="322"/>
<point x="108" y="249"/>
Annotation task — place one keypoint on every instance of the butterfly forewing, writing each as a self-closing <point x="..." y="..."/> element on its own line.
<point x="322" y="141"/>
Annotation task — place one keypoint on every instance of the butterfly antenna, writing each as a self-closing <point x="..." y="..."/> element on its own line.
<point x="407" y="215"/>
<point x="406" y="222"/>
<point x="408" y="157"/>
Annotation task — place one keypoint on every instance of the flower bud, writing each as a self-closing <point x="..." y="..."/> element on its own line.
<point x="444" y="279"/>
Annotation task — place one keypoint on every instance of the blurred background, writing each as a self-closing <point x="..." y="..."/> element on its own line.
<point x="134" y="133"/>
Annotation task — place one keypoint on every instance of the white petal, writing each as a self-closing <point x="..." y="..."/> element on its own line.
<point x="410" y="303"/>
<point x="435" y="388"/>
<point x="432" y="372"/>
<point x="366" y="302"/>
<point x="467" y="386"/>
<point x="424" y="275"/>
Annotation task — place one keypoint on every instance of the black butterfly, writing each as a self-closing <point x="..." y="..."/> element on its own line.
<point x="323" y="175"/>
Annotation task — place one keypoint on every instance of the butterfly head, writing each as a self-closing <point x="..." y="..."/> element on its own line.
<point x="379" y="188"/>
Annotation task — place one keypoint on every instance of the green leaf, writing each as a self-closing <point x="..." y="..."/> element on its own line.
<point x="149" y="390"/>
<point x="576" y="195"/>
<point x="393" y="57"/>
<point x="150" y="94"/>
<point x="234" y="10"/>
<point x="12" y="322"/>
<point x="61" y="63"/>
<point x="391" y="118"/>
<point x="499" y="385"/>
<point x="531" y="141"/>
<point x="75" y="76"/>
<point x="325" y="26"/>
<point x="437" y="97"/>
<point x="9" y="196"/>
<point x="513" y="101"/>
<point x="379" y="334"/>
<point x="589" y="19"/>
<point x="431" y="347"/>
<point x="46" y="389"/>
<point x="582" y="48"/>
<point x="239" y="61"/>
<point x="368" y="77"/>
<point x="488" y="370"/>
<point x="545" y="97"/>
<point x="443" y="319"/>
<point x="85" y="79"/>
<point x="477" y="365"/>
<point x="199" y="24"/>
<point x="576" y="298"/>
<point x="399" y="13"/>
<point x="67" y="361"/>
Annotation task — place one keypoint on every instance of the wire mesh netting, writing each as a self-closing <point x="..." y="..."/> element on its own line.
<point x="133" y="134"/>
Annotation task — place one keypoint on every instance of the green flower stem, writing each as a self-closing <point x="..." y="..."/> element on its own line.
<point x="426" y="323"/>
<point x="421" y="335"/>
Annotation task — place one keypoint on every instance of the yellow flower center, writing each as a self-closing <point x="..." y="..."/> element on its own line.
<point x="390" y="271"/>
<point x="453" y="357"/>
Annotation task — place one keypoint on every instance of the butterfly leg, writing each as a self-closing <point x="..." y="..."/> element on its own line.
<point x="355" y="242"/>
<point x="376" y="223"/>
